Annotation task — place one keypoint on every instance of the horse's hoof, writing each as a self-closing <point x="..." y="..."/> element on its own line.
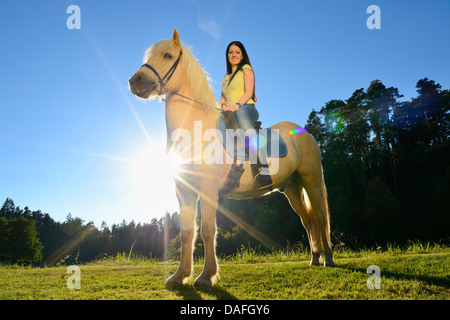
<point x="314" y="262"/>
<point x="329" y="263"/>
<point x="173" y="283"/>
<point x="203" y="283"/>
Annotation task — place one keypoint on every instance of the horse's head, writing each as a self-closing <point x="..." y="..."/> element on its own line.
<point x="160" y="63"/>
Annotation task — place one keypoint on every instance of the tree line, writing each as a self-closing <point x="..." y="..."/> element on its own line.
<point x="386" y="162"/>
<point x="386" y="167"/>
<point x="34" y="237"/>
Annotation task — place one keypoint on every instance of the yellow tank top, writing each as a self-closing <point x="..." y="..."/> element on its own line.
<point x="235" y="90"/>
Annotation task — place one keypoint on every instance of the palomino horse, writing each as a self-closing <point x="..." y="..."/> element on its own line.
<point x="171" y="70"/>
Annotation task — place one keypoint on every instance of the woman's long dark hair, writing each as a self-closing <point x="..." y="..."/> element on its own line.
<point x="245" y="60"/>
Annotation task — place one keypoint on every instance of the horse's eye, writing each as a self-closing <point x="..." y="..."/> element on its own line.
<point x="167" y="55"/>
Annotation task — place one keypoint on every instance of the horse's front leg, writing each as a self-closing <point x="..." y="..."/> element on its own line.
<point x="188" y="201"/>
<point x="208" y="202"/>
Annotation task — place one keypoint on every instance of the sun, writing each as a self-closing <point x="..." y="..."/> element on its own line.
<point x="153" y="177"/>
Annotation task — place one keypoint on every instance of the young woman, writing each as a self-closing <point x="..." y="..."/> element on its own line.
<point x="238" y="95"/>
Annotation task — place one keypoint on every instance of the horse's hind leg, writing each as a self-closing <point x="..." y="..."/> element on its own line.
<point x="294" y="195"/>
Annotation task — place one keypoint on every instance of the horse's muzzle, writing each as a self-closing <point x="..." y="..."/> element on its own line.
<point x="141" y="86"/>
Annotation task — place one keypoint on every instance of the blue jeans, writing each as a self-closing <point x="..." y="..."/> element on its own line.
<point x="246" y="116"/>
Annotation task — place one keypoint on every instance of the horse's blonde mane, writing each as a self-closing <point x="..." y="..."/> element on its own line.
<point x="198" y="80"/>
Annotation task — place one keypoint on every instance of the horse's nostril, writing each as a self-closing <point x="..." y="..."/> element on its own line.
<point x="135" y="79"/>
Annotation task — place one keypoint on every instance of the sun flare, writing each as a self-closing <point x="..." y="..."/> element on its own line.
<point x="153" y="175"/>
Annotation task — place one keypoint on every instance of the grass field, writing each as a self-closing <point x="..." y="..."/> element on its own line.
<point x="411" y="273"/>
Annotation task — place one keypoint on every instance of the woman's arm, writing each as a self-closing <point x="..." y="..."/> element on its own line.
<point x="249" y="80"/>
<point x="223" y="102"/>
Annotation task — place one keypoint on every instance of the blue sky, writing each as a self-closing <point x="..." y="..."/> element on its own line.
<point x="70" y="130"/>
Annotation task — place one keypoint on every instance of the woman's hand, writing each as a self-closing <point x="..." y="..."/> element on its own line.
<point x="233" y="108"/>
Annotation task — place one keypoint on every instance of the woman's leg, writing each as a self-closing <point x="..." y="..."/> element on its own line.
<point x="246" y="116"/>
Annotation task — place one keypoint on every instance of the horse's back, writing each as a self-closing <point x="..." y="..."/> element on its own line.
<point x="292" y="131"/>
<point x="285" y="125"/>
<point x="298" y="140"/>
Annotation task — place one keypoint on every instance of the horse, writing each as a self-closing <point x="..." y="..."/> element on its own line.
<point x="170" y="71"/>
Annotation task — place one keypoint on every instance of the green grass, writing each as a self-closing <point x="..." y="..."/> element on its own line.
<point x="416" y="272"/>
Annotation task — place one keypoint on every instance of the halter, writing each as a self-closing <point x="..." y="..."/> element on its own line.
<point x="163" y="81"/>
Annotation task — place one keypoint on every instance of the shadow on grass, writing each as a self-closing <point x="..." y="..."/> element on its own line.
<point x="188" y="292"/>
<point x="430" y="280"/>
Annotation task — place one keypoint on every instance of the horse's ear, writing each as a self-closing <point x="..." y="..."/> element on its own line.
<point x="176" y="38"/>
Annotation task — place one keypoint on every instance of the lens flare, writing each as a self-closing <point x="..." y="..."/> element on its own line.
<point x="333" y="123"/>
<point x="256" y="142"/>
<point x="298" y="130"/>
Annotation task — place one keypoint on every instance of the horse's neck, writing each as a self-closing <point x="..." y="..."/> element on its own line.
<point x="182" y="113"/>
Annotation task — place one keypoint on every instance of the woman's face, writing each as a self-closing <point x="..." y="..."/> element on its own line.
<point x="234" y="55"/>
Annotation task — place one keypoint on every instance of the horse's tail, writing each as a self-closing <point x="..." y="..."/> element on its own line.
<point x="315" y="234"/>
<point x="325" y="209"/>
